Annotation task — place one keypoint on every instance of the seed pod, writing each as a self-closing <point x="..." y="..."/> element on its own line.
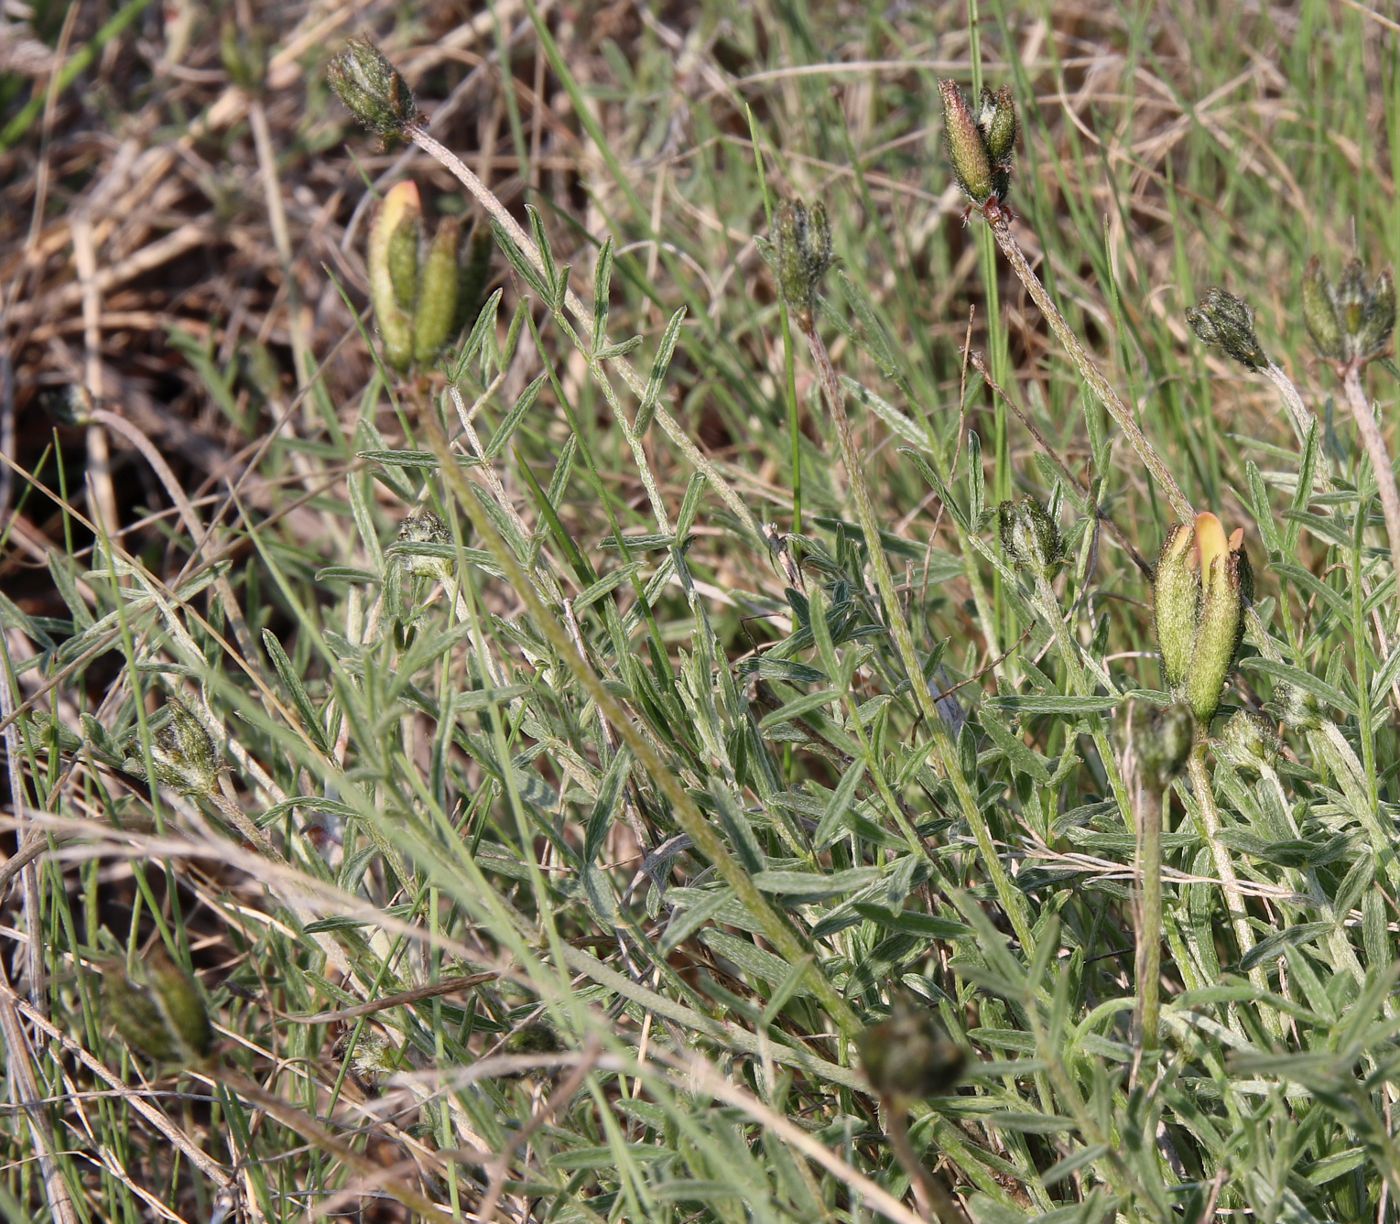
<point x="909" y="1055"/>
<point x="437" y="294"/>
<point x="1176" y="594"/>
<point x="967" y="150"/>
<point x="1224" y="321"/>
<point x="393" y="270"/>
<point x="371" y="88"/>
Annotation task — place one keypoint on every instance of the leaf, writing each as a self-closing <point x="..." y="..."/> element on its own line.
<point x="664" y="352"/>
<point x="838" y="807"/>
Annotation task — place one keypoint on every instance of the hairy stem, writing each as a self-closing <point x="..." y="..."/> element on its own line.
<point x="1147" y="964"/>
<point x="935" y="1203"/>
<point x="1381" y="467"/>
<point x="1203" y="787"/>
<point x="1089" y="370"/>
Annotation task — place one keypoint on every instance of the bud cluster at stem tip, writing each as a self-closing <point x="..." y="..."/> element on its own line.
<point x="420" y="298"/>
<point x="980" y="145"/>
<point x="1030" y="537"/>
<point x="182" y="753"/>
<point x="1224" y="321"/>
<point x="1202" y="586"/>
<point x="802" y="251"/>
<point x="160" y="1012"/>
<point x="908" y="1055"/>
<point x="371" y="88"/>
<point x="1157" y="740"/>
<point x="1349" y="323"/>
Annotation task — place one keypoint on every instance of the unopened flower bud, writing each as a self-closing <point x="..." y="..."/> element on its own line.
<point x="966" y="145"/>
<point x="1030" y="537"/>
<point x="182" y="753"/>
<point x="374" y="1057"/>
<point x="424" y="527"/>
<point x="1223" y="321"/>
<point x="802" y="244"/>
<point x="1320" y="315"/>
<point x="1176" y="594"/>
<point x="998" y="123"/>
<point x="161" y="1013"/>
<point x="393" y="270"/>
<point x="1157" y="740"/>
<point x="1202" y="585"/>
<point x="1296" y="708"/>
<point x="1224" y="578"/>
<point x="1249" y="742"/>
<point x="371" y="88"/>
<point x="1349" y="323"/>
<point x="441" y="281"/>
<point x="909" y="1055"/>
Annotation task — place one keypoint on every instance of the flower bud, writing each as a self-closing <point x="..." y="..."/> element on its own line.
<point x="437" y="294"/>
<point x="1378" y="319"/>
<point x="161" y="1013"/>
<point x="182" y="753"/>
<point x="1220" y="626"/>
<point x="1250" y="743"/>
<point x="424" y="527"/>
<point x="909" y="1055"/>
<point x="1202" y="585"/>
<point x="1320" y="315"/>
<point x="998" y="123"/>
<point x="1296" y="708"/>
<point x="1176" y="593"/>
<point x="1030" y="537"/>
<point x="1157" y="740"/>
<point x="374" y="1058"/>
<point x="1349" y="323"/>
<point x="371" y="88"/>
<point x="393" y="270"/>
<point x="802" y="244"/>
<point x="1223" y="321"/>
<point x="966" y="145"/>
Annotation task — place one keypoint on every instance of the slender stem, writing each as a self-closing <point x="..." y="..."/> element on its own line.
<point x="1089" y="370"/>
<point x="1203" y="787"/>
<point x="943" y="747"/>
<point x="1054" y="456"/>
<point x="1147" y="802"/>
<point x="935" y="1203"/>
<point x="1298" y="413"/>
<point x="1382" y="468"/>
<point x="1049" y="607"/>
